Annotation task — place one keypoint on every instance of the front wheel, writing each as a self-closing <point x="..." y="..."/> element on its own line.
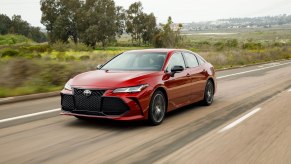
<point x="208" y="93"/>
<point x="157" y="109"/>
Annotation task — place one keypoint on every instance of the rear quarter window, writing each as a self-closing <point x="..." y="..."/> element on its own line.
<point x="200" y="59"/>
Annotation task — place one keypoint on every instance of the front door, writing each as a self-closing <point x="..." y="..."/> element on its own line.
<point x="178" y="85"/>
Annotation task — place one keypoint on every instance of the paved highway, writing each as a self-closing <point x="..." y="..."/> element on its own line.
<point x="249" y="122"/>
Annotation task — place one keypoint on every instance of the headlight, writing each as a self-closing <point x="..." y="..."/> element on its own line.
<point x="68" y="85"/>
<point x="131" y="89"/>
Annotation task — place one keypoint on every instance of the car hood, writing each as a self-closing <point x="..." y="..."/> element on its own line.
<point x="110" y="79"/>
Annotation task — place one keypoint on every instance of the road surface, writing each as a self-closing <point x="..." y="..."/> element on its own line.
<point x="249" y="122"/>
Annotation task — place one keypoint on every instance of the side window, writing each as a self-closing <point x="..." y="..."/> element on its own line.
<point x="191" y="60"/>
<point x="200" y="59"/>
<point x="176" y="59"/>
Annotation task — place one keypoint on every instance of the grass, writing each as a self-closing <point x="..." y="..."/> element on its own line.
<point x="26" y="90"/>
<point x="28" y="68"/>
<point x="12" y="39"/>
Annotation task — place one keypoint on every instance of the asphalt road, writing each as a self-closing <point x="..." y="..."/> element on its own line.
<point x="249" y="122"/>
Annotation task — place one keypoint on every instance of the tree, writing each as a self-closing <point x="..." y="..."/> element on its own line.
<point x="5" y="24"/>
<point x="19" y="26"/>
<point x="50" y="12"/>
<point x="60" y="19"/>
<point x="140" y="25"/>
<point x="120" y="21"/>
<point x="102" y="21"/>
<point x="36" y="35"/>
<point x="68" y="20"/>
<point x="89" y="21"/>
<point x="150" y="28"/>
<point x="134" y="21"/>
<point x="167" y="37"/>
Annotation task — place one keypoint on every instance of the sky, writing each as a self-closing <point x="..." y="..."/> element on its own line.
<point x="182" y="11"/>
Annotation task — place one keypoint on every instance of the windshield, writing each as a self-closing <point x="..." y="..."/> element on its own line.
<point x="137" y="61"/>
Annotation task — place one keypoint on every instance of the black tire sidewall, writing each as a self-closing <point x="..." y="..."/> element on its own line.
<point x="205" y="92"/>
<point x="151" y="120"/>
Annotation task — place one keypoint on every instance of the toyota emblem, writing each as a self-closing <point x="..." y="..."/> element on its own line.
<point x="87" y="93"/>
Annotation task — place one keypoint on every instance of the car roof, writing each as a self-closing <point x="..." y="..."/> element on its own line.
<point x="163" y="50"/>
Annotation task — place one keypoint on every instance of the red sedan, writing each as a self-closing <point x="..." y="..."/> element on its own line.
<point x="141" y="84"/>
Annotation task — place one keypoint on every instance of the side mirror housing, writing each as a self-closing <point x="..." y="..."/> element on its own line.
<point x="176" y="69"/>
<point x="99" y="66"/>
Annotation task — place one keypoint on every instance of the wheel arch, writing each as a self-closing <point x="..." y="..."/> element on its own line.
<point x="163" y="90"/>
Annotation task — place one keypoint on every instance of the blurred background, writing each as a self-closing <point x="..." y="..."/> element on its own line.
<point x="44" y="43"/>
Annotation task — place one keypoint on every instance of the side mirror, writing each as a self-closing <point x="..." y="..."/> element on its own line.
<point x="99" y="66"/>
<point x="176" y="69"/>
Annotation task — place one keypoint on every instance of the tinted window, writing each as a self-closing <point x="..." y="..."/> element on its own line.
<point x="135" y="61"/>
<point x="191" y="60"/>
<point x="176" y="59"/>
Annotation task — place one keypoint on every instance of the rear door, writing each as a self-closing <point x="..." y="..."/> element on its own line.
<point x="197" y="76"/>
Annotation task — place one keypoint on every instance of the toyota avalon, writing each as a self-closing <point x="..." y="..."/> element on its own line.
<point x="140" y="85"/>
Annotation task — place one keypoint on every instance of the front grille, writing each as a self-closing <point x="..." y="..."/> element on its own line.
<point x="88" y="103"/>
<point x="67" y="102"/>
<point x="93" y="104"/>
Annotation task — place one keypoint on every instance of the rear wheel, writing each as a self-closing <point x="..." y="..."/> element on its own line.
<point x="208" y="93"/>
<point x="157" y="109"/>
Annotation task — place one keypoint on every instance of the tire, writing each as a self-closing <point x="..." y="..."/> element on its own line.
<point x="157" y="109"/>
<point x="208" y="93"/>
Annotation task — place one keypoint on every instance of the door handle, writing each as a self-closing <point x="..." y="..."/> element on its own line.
<point x="188" y="75"/>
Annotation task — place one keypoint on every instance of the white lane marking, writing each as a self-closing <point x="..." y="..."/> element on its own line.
<point x="264" y="65"/>
<point x="29" y="115"/>
<point x="289" y="90"/>
<point x="5" y="99"/>
<point x="235" y="123"/>
<point x="254" y="70"/>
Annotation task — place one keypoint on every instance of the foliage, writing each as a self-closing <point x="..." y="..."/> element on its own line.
<point x="96" y="22"/>
<point x="5" y="24"/>
<point x="11" y="39"/>
<point x="18" y="26"/>
<point x="38" y="68"/>
<point x="23" y="76"/>
<point x="9" y="53"/>
<point x="90" y="22"/>
<point x="140" y="25"/>
<point x="62" y="47"/>
<point x="167" y="37"/>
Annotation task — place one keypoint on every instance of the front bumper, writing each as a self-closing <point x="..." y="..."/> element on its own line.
<point x="105" y="104"/>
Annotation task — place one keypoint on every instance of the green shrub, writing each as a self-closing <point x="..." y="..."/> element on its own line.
<point x="11" y="39"/>
<point x="78" y="47"/>
<point x="232" y="43"/>
<point x="252" y="46"/>
<point x="219" y="45"/>
<point x="39" y="48"/>
<point x="59" y="46"/>
<point x="9" y="53"/>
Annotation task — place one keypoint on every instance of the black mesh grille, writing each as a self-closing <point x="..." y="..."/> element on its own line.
<point x="93" y="104"/>
<point x="113" y="106"/>
<point x="90" y="102"/>
<point x="67" y="102"/>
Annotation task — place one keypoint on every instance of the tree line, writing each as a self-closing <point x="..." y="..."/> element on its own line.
<point x="16" y="25"/>
<point x="101" y="22"/>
